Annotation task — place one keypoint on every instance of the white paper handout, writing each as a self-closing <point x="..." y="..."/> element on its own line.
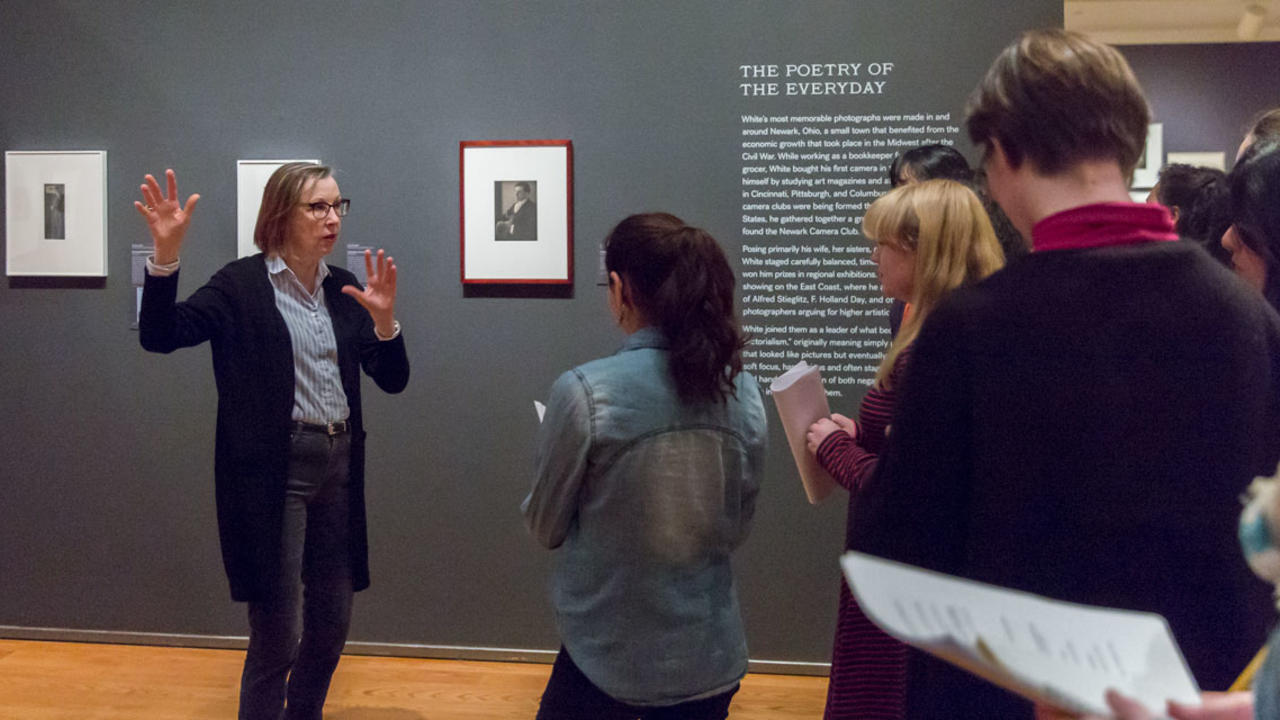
<point x="1049" y="651"/>
<point x="801" y="400"/>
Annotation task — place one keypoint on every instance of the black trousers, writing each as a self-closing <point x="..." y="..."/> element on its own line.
<point x="296" y="635"/>
<point x="570" y="695"/>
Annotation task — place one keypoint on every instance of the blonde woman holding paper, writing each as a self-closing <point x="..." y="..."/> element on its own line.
<point x="930" y="237"/>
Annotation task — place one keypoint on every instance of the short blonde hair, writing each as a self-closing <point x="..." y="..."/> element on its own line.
<point x="944" y="222"/>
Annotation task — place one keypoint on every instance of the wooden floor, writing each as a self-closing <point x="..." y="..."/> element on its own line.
<point x="42" y="680"/>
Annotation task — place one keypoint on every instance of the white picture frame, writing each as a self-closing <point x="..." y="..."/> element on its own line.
<point x="1148" y="170"/>
<point x="494" y="248"/>
<point x="55" y="213"/>
<point x="251" y="180"/>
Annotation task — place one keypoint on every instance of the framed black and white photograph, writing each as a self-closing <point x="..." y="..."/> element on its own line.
<point x="55" y="213"/>
<point x="1147" y="172"/>
<point x="251" y="180"/>
<point x="516" y="211"/>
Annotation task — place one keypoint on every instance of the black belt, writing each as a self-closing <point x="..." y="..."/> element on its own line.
<point x="330" y="429"/>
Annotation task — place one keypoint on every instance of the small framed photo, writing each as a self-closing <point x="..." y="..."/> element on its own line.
<point x="251" y="180"/>
<point x="1147" y="172"/>
<point x="55" y="213"/>
<point x="516" y="211"/>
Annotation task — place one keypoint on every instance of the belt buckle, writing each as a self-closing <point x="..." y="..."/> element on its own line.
<point x="336" y="428"/>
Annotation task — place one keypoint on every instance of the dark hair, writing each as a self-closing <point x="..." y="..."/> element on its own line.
<point x="525" y="185"/>
<point x="1203" y="201"/>
<point x="284" y="189"/>
<point x="1255" y="185"/>
<point x="1056" y="98"/>
<point x="930" y="162"/>
<point x="1011" y="241"/>
<point x="679" y="278"/>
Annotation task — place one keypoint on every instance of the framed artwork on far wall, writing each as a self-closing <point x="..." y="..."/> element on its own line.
<point x="55" y="213"/>
<point x="1152" y="160"/>
<point x="516" y="211"/>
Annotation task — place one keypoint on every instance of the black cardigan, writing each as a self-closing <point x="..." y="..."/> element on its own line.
<point x="1080" y="425"/>
<point x="253" y="366"/>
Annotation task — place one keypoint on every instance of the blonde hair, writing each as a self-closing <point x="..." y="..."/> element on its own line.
<point x="944" y="223"/>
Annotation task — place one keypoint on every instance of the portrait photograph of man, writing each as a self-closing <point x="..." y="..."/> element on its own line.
<point x="515" y="210"/>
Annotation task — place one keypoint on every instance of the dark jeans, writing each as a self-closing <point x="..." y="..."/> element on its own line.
<point x="570" y="695"/>
<point x="297" y="633"/>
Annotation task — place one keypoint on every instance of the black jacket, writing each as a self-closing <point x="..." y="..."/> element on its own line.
<point x="1080" y="426"/>
<point x="253" y="366"/>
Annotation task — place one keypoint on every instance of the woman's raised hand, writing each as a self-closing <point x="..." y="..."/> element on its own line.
<point x="379" y="293"/>
<point x="166" y="219"/>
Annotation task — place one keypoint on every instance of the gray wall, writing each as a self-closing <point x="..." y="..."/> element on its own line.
<point x="1206" y="95"/>
<point x="106" y="492"/>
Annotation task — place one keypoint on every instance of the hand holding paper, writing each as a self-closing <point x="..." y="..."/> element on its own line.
<point x="825" y="426"/>
<point x="1216" y="706"/>
<point x="1057" y="654"/>
<point x="801" y="401"/>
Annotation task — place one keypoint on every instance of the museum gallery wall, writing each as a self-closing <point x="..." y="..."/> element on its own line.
<point x="768" y="123"/>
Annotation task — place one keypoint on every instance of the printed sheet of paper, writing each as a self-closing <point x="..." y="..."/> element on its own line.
<point x="1046" y="650"/>
<point x="801" y="400"/>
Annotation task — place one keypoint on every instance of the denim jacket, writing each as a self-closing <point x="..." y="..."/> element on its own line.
<point x="1259" y="531"/>
<point x="646" y="498"/>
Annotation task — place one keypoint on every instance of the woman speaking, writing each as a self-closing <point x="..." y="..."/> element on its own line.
<point x="289" y="336"/>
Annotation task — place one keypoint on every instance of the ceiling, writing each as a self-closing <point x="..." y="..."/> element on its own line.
<point x="1147" y="22"/>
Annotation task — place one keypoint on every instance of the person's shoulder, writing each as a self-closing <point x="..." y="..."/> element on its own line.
<point x="247" y="263"/>
<point x="1199" y="273"/>
<point x="748" y="395"/>
<point x="628" y="375"/>
<point x="568" y="379"/>
<point x="241" y="271"/>
<point x="610" y="368"/>
<point x="744" y="378"/>
<point x="901" y="361"/>
<point x="747" y="388"/>
<point x="974" y="301"/>
<point x="342" y="275"/>
<point x="250" y="264"/>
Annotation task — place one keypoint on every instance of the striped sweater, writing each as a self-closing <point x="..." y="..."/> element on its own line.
<point x="868" y="668"/>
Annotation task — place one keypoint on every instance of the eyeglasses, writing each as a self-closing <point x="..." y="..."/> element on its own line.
<point x="320" y="210"/>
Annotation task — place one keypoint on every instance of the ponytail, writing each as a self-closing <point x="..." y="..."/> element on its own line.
<point x="680" y="279"/>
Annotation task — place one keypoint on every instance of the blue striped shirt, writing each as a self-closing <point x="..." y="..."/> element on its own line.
<point x="318" y="396"/>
